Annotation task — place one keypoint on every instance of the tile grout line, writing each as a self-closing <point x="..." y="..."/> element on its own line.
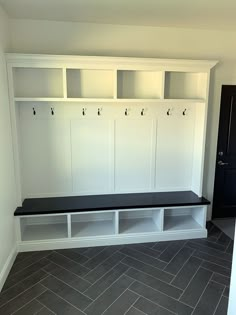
<point x="27" y="303"/>
<point x="52" y="262"/>
<point x="207" y="243"/>
<point x="211" y="261"/>
<point x="47" y="289"/>
<point x="104" y="275"/>
<point x="100" y="263"/>
<point x="174" y="257"/>
<point x="139" y="310"/>
<point x="106" y="289"/>
<point x="203" y="267"/>
<point x="80" y="278"/>
<point x="206" y="261"/>
<point x="24" y="291"/>
<point x="157" y="251"/>
<point x="171" y="297"/>
<point x="175" y="276"/>
<point x="77" y="263"/>
<point x="73" y="250"/>
<point x="231" y="241"/>
<point x="157" y="259"/>
<point x="148" y="264"/>
<point x="93" y="257"/>
<point x="166" y="283"/>
<point x="189" y="283"/>
<point x="99" y="254"/>
<point x="218" y="302"/>
<point x="202" y="293"/>
<point x="115" y="300"/>
<point x="32" y="255"/>
<point x="25" y="278"/>
<point x="3" y="292"/>
<point x="15" y="273"/>
<point x="155" y="302"/>
<point x="133" y="303"/>
<point x="218" y="252"/>
<point x="67" y="285"/>
<point x="43" y="306"/>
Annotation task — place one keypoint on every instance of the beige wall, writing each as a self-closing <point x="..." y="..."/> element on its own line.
<point x="114" y="40"/>
<point x="7" y="178"/>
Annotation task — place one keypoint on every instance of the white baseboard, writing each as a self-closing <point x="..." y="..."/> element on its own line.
<point x="7" y="267"/>
<point x="111" y="240"/>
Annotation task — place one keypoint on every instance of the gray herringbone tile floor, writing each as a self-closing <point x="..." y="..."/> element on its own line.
<point x="178" y="277"/>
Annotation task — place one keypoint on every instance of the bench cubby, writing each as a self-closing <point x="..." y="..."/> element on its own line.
<point x="49" y="223"/>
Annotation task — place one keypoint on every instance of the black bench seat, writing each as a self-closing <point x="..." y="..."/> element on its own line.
<point x="40" y="206"/>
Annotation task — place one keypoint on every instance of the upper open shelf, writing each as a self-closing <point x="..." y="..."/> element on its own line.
<point x="185" y="85"/>
<point x="38" y="82"/>
<point x="72" y="84"/>
<point x="139" y="84"/>
<point x="90" y="83"/>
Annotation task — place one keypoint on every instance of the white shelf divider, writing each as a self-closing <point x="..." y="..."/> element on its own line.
<point x="117" y="222"/>
<point x="69" y="225"/>
<point x="64" y="78"/>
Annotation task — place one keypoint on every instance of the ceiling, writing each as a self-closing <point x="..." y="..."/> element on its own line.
<point x="210" y="14"/>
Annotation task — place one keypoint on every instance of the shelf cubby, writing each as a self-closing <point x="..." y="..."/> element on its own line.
<point x="185" y="85"/>
<point x="177" y="219"/>
<point x="140" y="221"/>
<point x="139" y="84"/>
<point x="83" y="83"/>
<point x="44" y="228"/>
<point x="93" y="224"/>
<point x="38" y="82"/>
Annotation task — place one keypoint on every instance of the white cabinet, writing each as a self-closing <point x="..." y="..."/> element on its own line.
<point x="92" y="155"/>
<point x="134" y="154"/>
<point x="45" y="159"/>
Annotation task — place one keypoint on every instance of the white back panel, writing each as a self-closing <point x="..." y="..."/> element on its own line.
<point x="91" y="145"/>
<point x="175" y="142"/>
<point x="134" y="154"/>
<point x="45" y="164"/>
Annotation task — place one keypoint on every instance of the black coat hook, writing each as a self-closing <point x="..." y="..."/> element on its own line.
<point x="142" y="112"/>
<point x="184" y="112"/>
<point x="52" y="111"/>
<point x="34" y="111"/>
<point x="126" y="112"/>
<point x="83" y="111"/>
<point x="168" y="112"/>
<point x="99" y="111"/>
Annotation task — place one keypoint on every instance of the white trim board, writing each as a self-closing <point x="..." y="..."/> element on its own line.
<point x="7" y="267"/>
<point x="111" y="240"/>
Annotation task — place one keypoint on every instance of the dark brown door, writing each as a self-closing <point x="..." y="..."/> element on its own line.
<point x="224" y="203"/>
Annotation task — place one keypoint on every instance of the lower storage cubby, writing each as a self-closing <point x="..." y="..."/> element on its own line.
<point x="43" y="227"/>
<point x="93" y="224"/>
<point x="176" y="219"/>
<point x="140" y="221"/>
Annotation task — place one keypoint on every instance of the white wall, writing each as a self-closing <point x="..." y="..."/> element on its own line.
<point x="7" y="178"/>
<point x="113" y="40"/>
